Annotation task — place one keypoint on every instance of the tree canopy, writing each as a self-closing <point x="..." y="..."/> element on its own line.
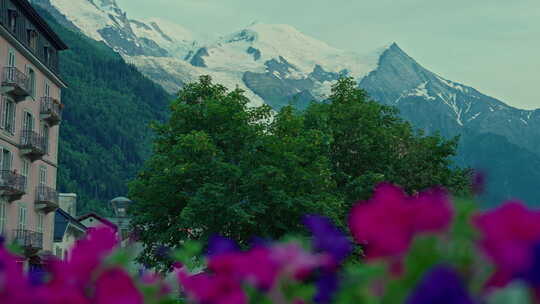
<point x="222" y="167"/>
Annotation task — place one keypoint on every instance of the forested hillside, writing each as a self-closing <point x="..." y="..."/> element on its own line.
<point x="105" y="134"/>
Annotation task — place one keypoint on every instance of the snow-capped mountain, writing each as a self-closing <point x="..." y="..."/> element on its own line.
<point x="276" y="64"/>
<point x="104" y="20"/>
<point x="435" y="104"/>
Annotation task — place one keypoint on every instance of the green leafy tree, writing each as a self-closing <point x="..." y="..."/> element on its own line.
<point x="220" y="166"/>
<point x="370" y="144"/>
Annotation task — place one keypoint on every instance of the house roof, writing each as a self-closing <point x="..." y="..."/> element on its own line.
<point x="62" y="220"/>
<point x="41" y="24"/>
<point x="99" y="218"/>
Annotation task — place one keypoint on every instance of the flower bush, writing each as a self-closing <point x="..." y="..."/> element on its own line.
<point x="422" y="249"/>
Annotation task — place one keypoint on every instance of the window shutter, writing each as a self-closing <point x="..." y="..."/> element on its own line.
<point x="10" y="160"/>
<point x="10" y="120"/>
<point x="2" y="112"/>
<point x="2" y="160"/>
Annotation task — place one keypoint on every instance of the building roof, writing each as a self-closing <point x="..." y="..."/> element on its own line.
<point x="41" y="24"/>
<point x="99" y="218"/>
<point x="121" y="199"/>
<point x="62" y="220"/>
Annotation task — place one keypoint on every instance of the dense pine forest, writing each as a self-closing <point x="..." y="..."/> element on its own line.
<point x="105" y="134"/>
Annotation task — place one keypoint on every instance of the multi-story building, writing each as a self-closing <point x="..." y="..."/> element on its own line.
<point x="30" y="113"/>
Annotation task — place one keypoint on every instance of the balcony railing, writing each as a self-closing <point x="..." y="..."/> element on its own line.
<point x="46" y="198"/>
<point x="15" y="83"/>
<point x="12" y="185"/>
<point x="27" y="239"/>
<point x="51" y="110"/>
<point x="33" y="145"/>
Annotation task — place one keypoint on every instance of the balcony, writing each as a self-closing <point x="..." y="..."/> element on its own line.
<point x="32" y="145"/>
<point x="12" y="185"/>
<point x="30" y="241"/>
<point x="46" y="199"/>
<point x="51" y="110"/>
<point x="15" y="83"/>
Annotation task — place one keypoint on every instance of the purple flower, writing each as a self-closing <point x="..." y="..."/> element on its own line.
<point x="478" y="182"/>
<point x="36" y="276"/>
<point x="163" y="252"/>
<point x="328" y="238"/>
<point x="441" y="285"/>
<point x="218" y="245"/>
<point x="532" y="274"/>
<point x="327" y="285"/>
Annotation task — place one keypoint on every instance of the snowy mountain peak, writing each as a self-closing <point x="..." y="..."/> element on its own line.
<point x="108" y="5"/>
<point x="104" y="20"/>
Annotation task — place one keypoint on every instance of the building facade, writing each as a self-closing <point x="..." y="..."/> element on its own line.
<point x="30" y="114"/>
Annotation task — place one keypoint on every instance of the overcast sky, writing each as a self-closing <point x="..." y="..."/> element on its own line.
<point x="491" y="45"/>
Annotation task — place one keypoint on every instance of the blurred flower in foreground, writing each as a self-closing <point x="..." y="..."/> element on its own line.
<point x="441" y="285"/>
<point x="509" y="235"/>
<point x="328" y="238"/>
<point x="478" y="182"/>
<point x="388" y="222"/>
<point x="219" y="245"/>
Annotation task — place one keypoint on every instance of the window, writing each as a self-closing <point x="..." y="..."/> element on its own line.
<point x="31" y="38"/>
<point x="58" y="252"/>
<point x="31" y="81"/>
<point x="47" y="55"/>
<point x="5" y="159"/>
<point x="11" y="58"/>
<point x="45" y="130"/>
<point x="23" y="213"/>
<point x="11" y="61"/>
<point x="25" y="171"/>
<point x="12" y="20"/>
<point x="40" y="221"/>
<point x="28" y="121"/>
<point x="3" y="217"/>
<point x="7" y="115"/>
<point x="43" y="176"/>
<point x="47" y="89"/>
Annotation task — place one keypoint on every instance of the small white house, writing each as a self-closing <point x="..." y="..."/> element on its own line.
<point x="67" y="229"/>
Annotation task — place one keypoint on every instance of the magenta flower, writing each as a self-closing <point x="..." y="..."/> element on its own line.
<point x="387" y="223"/>
<point x="88" y="253"/>
<point x="115" y="286"/>
<point x="212" y="288"/>
<point x="261" y="267"/>
<point x="13" y="281"/>
<point x="254" y="266"/>
<point x="510" y="233"/>
<point x="441" y="285"/>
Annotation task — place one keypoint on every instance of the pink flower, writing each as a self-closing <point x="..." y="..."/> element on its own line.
<point x="212" y="288"/>
<point x="88" y="253"/>
<point x="509" y="235"/>
<point x="387" y="223"/>
<point x="71" y="279"/>
<point x="115" y="286"/>
<point x="14" y="285"/>
<point x="261" y="267"/>
<point x="255" y="266"/>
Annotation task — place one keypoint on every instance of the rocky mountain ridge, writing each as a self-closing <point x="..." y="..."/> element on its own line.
<point x="277" y="64"/>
